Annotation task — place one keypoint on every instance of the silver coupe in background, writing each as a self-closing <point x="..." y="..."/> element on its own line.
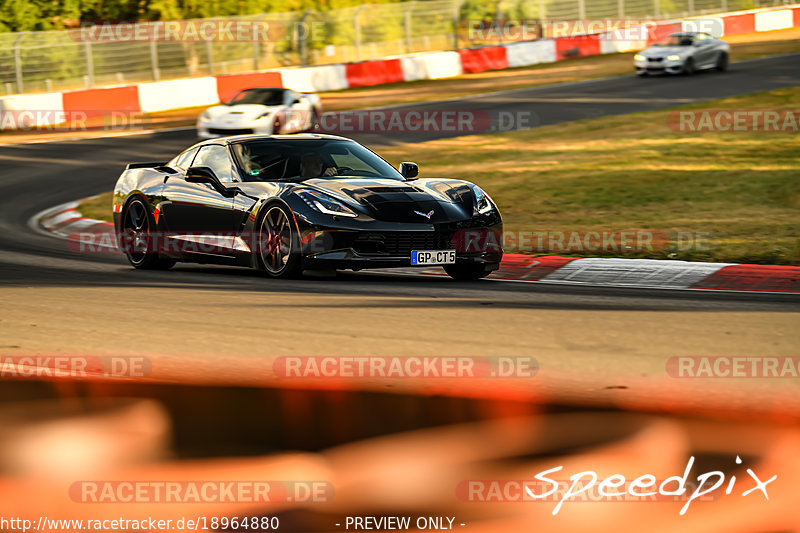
<point x="683" y="53"/>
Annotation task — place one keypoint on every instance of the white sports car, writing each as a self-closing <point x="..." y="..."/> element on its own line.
<point x="261" y="110"/>
<point x="683" y="53"/>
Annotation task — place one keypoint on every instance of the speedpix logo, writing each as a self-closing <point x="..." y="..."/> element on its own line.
<point x="409" y="367"/>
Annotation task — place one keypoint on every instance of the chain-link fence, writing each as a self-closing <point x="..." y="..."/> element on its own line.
<point x="107" y="54"/>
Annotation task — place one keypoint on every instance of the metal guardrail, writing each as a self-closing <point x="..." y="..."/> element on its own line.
<point x="130" y="53"/>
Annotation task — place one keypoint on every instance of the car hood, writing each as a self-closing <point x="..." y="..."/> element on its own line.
<point x="663" y="51"/>
<point x="398" y="201"/>
<point x="243" y="111"/>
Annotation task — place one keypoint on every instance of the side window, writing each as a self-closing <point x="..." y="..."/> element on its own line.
<point x="217" y="159"/>
<point x="183" y="160"/>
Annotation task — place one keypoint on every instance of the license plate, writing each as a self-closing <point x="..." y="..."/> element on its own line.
<point x="433" y="257"/>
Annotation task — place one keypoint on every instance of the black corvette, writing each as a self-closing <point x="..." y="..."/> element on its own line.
<point x="288" y="203"/>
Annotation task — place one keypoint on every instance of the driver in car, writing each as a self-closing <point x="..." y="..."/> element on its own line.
<point x="312" y="166"/>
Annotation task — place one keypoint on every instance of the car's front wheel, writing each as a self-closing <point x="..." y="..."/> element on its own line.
<point x="722" y="62"/>
<point x="137" y="239"/>
<point x="467" y="272"/>
<point x="277" y="125"/>
<point x="278" y="246"/>
<point x="688" y="67"/>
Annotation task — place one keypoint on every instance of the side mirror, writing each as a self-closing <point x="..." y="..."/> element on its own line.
<point x="201" y="175"/>
<point x="409" y="170"/>
<point x="206" y="175"/>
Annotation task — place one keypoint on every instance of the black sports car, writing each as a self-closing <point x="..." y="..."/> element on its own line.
<point x="288" y="203"/>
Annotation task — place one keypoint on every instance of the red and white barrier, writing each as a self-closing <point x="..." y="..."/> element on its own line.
<point x="774" y="20"/>
<point x="531" y="53"/>
<point x="229" y="85"/>
<point x="32" y="110"/>
<point x="100" y="102"/>
<point x="210" y="90"/>
<point x="368" y="73"/>
<point x="431" y="66"/>
<point x="577" y="46"/>
<point x="174" y="94"/>
<point x="484" y="58"/>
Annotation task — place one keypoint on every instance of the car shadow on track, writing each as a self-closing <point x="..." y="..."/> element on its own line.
<point x="396" y="290"/>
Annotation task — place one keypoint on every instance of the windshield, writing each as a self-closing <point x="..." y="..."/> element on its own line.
<point x="258" y="96"/>
<point x="676" y="40"/>
<point x="296" y="160"/>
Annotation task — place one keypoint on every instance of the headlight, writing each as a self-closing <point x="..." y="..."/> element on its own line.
<point x="262" y="115"/>
<point x="325" y="204"/>
<point x="674" y="57"/>
<point x="483" y="204"/>
<point x="639" y="57"/>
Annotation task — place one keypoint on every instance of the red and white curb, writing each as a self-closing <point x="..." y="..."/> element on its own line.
<point x="650" y="273"/>
<point x="64" y="221"/>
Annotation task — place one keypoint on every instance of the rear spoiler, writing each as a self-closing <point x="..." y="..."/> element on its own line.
<point x="144" y="165"/>
<point x="160" y="166"/>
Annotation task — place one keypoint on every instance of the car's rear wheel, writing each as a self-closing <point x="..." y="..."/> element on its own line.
<point x="722" y="62"/>
<point x="688" y="67"/>
<point x="466" y="272"/>
<point x="137" y="238"/>
<point x="278" y="251"/>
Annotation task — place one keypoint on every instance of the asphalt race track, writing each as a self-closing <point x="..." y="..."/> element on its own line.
<point x="57" y="300"/>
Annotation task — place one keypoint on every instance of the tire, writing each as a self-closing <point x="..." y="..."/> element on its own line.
<point x="466" y="272"/>
<point x="688" y="67"/>
<point x="139" y="243"/>
<point x="722" y="62"/>
<point x="277" y="124"/>
<point x="278" y="245"/>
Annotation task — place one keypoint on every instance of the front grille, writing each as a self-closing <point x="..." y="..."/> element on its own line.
<point x="400" y="243"/>
<point x="656" y="59"/>
<point x="220" y="131"/>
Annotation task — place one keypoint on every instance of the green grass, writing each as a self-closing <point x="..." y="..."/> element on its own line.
<point x="98" y="207"/>
<point x="632" y="172"/>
